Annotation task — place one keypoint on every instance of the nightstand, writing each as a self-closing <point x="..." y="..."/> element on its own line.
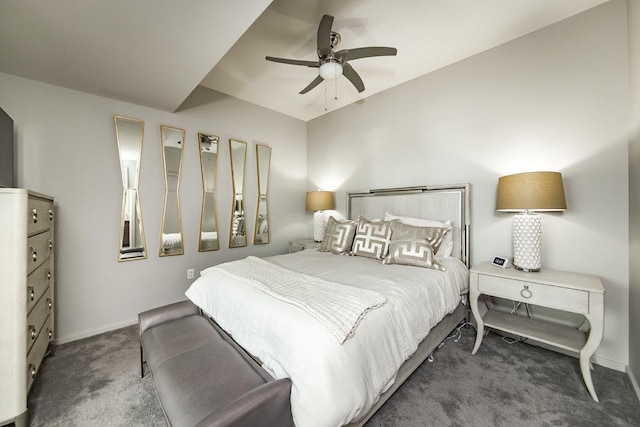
<point x="302" y="244"/>
<point x="572" y="292"/>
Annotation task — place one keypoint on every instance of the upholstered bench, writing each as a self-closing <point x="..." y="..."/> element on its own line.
<point x="202" y="377"/>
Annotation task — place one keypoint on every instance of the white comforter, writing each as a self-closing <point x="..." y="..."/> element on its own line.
<point x="333" y="384"/>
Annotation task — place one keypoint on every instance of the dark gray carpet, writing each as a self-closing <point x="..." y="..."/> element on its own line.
<point x="508" y="385"/>
<point x="96" y="382"/>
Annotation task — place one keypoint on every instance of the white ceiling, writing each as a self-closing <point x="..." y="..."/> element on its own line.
<point x="156" y="52"/>
<point x="148" y="52"/>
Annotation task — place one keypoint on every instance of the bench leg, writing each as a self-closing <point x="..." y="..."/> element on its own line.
<point x="141" y="362"/>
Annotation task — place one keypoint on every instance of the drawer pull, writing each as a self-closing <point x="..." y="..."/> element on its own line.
<point x="49" y="303"/>
<point x="34" y="215"/>
<point x="32" y="293"/>
<point x="32" y="332"/>
<point x="526" y="292"/>
<point x="50" y="244"/>
<point x="48" y="274"/>
<point x="50" y="214"/>
<point x="50" y="333"/>
<point x="32" y="370"/>
<point x="34" y="254"/>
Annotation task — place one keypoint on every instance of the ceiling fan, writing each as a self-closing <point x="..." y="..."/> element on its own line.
<point x="332" y="64"/>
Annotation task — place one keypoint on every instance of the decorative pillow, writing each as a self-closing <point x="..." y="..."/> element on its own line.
<point x="415" y="246"/>
<point x="372" y="238"/>
<point x="338" y="236"/>
<point x="446" y="249"/>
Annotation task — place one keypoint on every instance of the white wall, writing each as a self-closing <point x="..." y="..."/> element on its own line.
<point x="634" y="192"/>
<point x="66" y="147"/>
<point x="553" y="100"/>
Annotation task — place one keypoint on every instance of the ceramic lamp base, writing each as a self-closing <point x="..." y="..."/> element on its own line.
<point x="527" y="241"/>
<point x="319" y="225"/>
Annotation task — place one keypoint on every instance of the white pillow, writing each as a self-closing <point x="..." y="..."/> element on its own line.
<point x="446" y="248"/>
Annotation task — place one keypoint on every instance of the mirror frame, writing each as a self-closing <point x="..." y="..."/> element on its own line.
<point x="125" y="187"/>
<point x="208" y="195"/>
<point x="263" y="184"/>
<point x="163" y="140"/>
<point x="235" y="205"/>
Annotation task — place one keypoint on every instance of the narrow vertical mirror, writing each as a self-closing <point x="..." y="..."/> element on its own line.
<point x="171" y="237"/>
<point x="129" y="134"/>
<point x="263" y="162"/>
<point x="238" y="233"/>
<point x="208" y="240"/>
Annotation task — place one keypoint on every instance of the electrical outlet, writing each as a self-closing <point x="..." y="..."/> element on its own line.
<point x="190" y="273"/>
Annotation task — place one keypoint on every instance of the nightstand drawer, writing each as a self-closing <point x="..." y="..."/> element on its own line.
<point x="573" y="300"/>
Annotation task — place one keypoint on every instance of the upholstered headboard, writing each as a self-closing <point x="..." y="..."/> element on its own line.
<point x="438" y="202"/>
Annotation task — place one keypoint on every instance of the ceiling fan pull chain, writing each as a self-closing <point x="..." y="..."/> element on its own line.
<point x="325" y="95"/>
<point x="335" y="95"/>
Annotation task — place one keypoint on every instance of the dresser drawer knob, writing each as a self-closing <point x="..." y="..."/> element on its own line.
<point x="50" y="245"/>
<point x="50" y="214"/>
<point x="48" y="274"/>
<point x="32" y="370"/>
<point x="32" y="293"/>
<point x="49" y="303"/>
<point x="32" y="332"/>
<point x="34" y="254"/>
<point x="526" y="292"/>
<point x="50" y="333"/>
<point x="34" y="215"/>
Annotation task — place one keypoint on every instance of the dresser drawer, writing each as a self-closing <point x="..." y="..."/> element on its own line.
<point x="37" y="352"/>
<point x="37" y="283"/>
<point x="36" y="319"/>
<point x="39" y="247"/>
<point x="40" y="215"/>
<point x="572" y="300"/>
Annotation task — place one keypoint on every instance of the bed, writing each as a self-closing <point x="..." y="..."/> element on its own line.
<point x="343" y="367"/>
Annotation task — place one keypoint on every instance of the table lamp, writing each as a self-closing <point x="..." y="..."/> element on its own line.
<point x="528" y="193"/>
<point x="319" y="201"/>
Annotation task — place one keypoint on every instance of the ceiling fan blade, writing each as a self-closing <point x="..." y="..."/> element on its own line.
<point x="323" y="39"/>
<point x="311" y="85"/>
<point x="366" y="52"/>
<point x="354" y="78"/>
<point x="293" y="61"/>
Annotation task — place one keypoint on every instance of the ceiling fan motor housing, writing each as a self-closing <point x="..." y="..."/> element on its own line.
<point x="335" y="39"/>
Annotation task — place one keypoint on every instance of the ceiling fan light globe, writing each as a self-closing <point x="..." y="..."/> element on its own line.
<point x="330" y="70"/>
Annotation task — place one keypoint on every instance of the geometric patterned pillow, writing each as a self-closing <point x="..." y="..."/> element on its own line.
<point x="446" y="248"/>
<point x="338" y="236"/>
<point x="417" y="246"/>
<point x="372" y="238"/>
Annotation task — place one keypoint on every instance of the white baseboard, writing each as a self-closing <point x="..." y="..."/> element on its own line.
<point x="64" y="340"/>
<point x="634" y="382"/>
<point x="608" y="363"/>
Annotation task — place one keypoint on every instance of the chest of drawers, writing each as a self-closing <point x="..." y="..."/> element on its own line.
<point x="26" y="295"/>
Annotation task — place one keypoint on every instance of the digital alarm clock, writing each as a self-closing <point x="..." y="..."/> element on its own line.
<point x="502" y="262"/>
